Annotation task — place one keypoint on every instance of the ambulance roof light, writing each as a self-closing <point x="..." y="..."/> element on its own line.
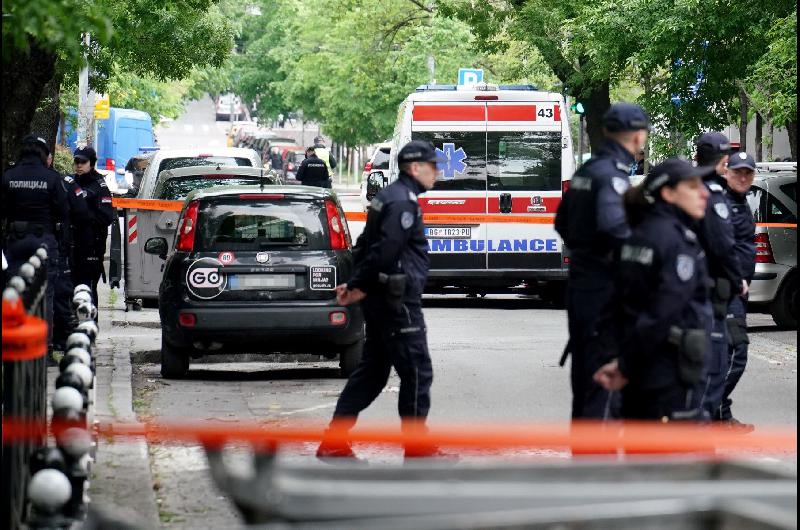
<point x="480" y="87"/>
<point x="430" y="88"/>
<point x="530" y="88"/>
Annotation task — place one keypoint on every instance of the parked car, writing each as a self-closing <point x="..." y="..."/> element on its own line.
<point x="292" y="158"/>
<point x="378" y="163"/>
<point x="256" y="271"/>
<point x="773" y="200"/>
<point x="228" y="104"/>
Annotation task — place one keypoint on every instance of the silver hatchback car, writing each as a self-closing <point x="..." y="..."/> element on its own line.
<point x="773" y="199"/>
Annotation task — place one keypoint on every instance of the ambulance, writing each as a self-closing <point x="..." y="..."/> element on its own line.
<point x="505" y="159"/>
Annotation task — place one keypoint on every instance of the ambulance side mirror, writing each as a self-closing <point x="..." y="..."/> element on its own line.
<point x="157" y="246"/>
<point x="375" y="181"/>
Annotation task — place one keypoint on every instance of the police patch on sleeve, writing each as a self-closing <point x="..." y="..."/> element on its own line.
<point x="406" y="220"/>
<point x="722" y="210"/>
<point x="620" y="185"/>
<point x="685" y="267"/>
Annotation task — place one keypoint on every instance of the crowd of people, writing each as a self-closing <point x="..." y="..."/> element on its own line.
<point x="68" y="214"/>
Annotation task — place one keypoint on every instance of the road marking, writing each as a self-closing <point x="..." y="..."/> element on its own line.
<point x="309" y="409"/>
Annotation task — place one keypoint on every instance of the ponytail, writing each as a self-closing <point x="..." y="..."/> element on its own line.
<point x="636" y="205"/>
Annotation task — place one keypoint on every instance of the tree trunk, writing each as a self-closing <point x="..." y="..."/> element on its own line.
<point x="24" y="78"/>
<point x="598" y="100"/>
<point x="759" y="137"/>
<point x="48" y="116"/>
<point x="791" y="129"/>
<point x="742" y="120"/>
<point x="771" y="138"/>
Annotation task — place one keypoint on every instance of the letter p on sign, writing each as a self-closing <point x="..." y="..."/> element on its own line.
<point x="469" y="76"/>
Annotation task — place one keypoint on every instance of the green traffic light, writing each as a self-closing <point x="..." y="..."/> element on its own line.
<point x="579" y="108"/>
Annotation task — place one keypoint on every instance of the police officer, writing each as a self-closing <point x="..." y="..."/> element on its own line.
<point x="740" y="173"/>
<point x="323" y="153"/>
<point x="591" y="220"/>
<point x="391" y="267"/>
<point x="716" y="235"/>
<point x="313" y="171"/>
<point x="662" y="293"/>
<point x="34" y="211"/>
<point x="63" y="316"/>
<point x="90" y="236"/>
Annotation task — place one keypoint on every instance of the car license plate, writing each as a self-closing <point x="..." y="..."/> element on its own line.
<point x="242" y="282"/>
<point x="449" y="232"/>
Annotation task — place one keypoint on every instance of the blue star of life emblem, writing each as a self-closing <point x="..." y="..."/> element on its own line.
<point x="451" y="160"/>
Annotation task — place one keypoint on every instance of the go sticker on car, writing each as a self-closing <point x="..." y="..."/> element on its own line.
<point x="204" y="279"/>
<point x="322" y="278"/>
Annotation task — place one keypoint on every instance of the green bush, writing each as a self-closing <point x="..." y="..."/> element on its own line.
<point x="62" y="160"/>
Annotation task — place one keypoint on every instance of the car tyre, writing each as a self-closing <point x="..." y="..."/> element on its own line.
<point x="349" y="358"/>
<point x="174" y="361"/>
<point x="784" y="307"/>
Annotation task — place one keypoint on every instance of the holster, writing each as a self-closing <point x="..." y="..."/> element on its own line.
<point x="737" y="331"/>
<point x="394" y="287"/>
<point x="692" y="345"/>
<point x="720" y="297"/>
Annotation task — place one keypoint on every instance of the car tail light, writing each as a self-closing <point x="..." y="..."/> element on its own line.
<point x="110" y="165"/>
<point x="368" y="167"/>
<point x="336" y="228"/>
<point x="564" y="186"/>
<point x="566" y="260"/>
<point x="486" y="98"/>
<point x="763" y="249"/>
<point x="205" y="155"/>
<point x="187" y="320"/>
<point x="337" y="318"/>
<point x="186" y="228"/>
<point x="290" y="166"/>
<point x="261" y="196"/>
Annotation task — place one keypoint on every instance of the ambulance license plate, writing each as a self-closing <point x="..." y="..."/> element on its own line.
<point x="243" y="282"/>
<point x="449" y="232"/>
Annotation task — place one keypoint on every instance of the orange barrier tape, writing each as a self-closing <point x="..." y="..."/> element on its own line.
<point x="147" y="204"/>
<point x="584" y="437"/>
<point x="777" y="225"/>
<point x="467" y="219"/>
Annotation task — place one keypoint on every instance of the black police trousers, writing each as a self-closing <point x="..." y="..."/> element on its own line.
<point x="87" y="271"/>
<point x="391" y="341"/>
<point x="63" y="316"/>
<point x="20" y="249"/>
<point x="670" y="403"/>
<point x="589" y="400"/>
<point x="737" y="354"/>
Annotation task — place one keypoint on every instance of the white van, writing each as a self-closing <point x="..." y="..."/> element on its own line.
<point x="507" y="158"/>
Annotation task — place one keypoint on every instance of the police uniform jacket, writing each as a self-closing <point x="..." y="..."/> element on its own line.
<point x="716" y="234"/>
<point x="34" y="194"/>
<point x="78" y="211"/>
<point x="313" y="172"/>
<point x="393" y="241"/>
<point x="744" y="229"/>
<point x="90" y="235"/>
<point x="662" y="281"/>
<point x="591" y="218"/>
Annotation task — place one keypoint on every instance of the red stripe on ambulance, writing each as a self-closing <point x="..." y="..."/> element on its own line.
<point x="453" y="204"/>
<point x="524" y="205"/>
<point x="512" y="112"/>
<point x="449" y="113"/>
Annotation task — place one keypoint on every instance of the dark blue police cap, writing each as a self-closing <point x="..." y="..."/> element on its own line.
<point x="712" y="146"/>
<point x="86" y="153"/>
<point x="741" y="159"/>
<point x="417" y="151"/>
<point x="623" y="117"/>
<point x="670" y="172"/>
<point x="33" y="139"/>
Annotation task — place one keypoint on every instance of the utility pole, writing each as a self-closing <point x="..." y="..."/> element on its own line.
<point x="432" y="69"/>
<point x="85" y="105"/>
<point x="580" y="141"/>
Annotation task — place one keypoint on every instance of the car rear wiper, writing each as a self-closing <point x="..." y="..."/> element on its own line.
<point x="266" y="244"/>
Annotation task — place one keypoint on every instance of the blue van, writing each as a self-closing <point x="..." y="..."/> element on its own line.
<point x="126" y="132"/>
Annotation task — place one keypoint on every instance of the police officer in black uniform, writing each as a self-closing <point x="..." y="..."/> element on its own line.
<point x="34" y="212"/>
<point x="662" y="291"/>
<point x="740" y="174"/>
<point x="63" y="316"/>
<point x="391" y="267"/>
<point x="313" y="171"/>
<point x="591" y="221"/>
<point x="716" y="235"/>
<point x="90" y="236"/>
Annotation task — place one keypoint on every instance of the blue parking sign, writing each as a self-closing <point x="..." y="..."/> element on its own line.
<point x="469" y="76"/>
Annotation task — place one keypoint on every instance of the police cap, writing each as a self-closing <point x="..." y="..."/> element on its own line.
<point x="86" y="153"/>
<point x="741" y="159"/>
<point x="417" y="151"/>
<point x="670" y="172"/>
<point x="33" y="139"/>
<point x="712" y="146"/>
<point x="624" y="117"/>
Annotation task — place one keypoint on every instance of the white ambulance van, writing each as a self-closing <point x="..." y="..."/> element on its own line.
<point x="507" y="157"/>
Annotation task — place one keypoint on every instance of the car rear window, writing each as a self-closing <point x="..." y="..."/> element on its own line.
<point x="767" y="208"/>
<point x="790" y="190"/>
<point x="235" y="224"/>
<point x="189" y="161"/>
<point x="176" y="189"/>
<point x="381" y="160"/>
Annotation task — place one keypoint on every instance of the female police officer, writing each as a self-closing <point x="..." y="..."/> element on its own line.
<point x="660" y="322"/>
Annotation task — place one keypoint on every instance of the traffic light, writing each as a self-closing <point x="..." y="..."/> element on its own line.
<point x="577" y="107"/>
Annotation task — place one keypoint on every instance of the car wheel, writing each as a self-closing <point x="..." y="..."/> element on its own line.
<point x="784" y="307"/>
<point x="174" y="361"/>
<point x="349" y="358"/>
